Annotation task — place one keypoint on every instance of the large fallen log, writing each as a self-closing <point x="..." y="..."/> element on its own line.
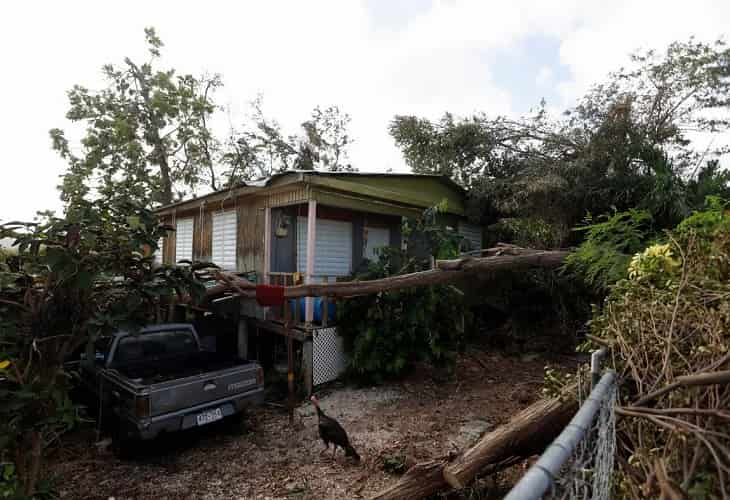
<point x="528" y="433"/>
<point x="446" y="272"/>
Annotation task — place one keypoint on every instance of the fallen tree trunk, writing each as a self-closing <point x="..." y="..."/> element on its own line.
<point x="449" y="271"/>
<point x="528" y="433"/>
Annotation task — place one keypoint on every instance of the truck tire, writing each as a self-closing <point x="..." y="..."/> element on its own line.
<point x="124" y="444"/>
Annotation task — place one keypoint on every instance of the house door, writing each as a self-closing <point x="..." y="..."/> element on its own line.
<point x="333" y="247"/>
<point x="283" y="241"/>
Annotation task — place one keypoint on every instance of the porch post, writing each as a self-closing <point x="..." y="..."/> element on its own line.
<point x="242" y="337"/>
<point x="267" y="244"/>
<point x="311" y="239"/>
<point x="308" y="363"/>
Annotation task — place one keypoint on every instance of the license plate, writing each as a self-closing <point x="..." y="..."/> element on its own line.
<point x="209" y="416"/>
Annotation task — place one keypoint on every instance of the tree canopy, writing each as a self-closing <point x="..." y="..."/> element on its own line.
<point x="149" y="134"/>
<point x="629" y="142"/>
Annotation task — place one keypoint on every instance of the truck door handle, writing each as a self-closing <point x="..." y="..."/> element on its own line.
<point x="209" y="386"/>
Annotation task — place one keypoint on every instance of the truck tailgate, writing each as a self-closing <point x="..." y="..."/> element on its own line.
<point x="184" y="393"/>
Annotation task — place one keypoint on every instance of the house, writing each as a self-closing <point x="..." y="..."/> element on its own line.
<point x="305" y="226"/>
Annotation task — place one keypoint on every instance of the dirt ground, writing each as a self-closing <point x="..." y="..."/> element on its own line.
<point x="391" y="426"/>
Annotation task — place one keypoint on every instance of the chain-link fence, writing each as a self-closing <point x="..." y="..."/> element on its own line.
<point x="579" y="463"/>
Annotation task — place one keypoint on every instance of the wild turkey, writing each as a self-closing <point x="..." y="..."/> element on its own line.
<point x="331" y="431"/>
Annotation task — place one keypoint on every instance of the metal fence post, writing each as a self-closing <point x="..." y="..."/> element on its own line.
<point x="541" y="476"/>
<point x="596" y="358"/>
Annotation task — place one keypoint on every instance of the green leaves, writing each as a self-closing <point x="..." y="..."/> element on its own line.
<point x="397" y="329"/>
<point x="66" y="281"/>
<point x="146" y="133"/>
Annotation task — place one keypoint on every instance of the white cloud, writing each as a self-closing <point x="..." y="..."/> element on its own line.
<point x="301" y="54"/>
<point x="544" y="76"/>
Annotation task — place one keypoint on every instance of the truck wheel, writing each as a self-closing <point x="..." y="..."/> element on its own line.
<point x="123" y="444"/>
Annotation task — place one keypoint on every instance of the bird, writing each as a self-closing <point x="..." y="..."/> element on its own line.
<point x="331" y="431"/>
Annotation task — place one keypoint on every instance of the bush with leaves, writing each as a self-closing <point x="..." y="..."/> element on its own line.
<point x="73" y="278"/>
<point x="667" y="320"/>
<point x="610" y="242"/>
<point x="386" y="333"/>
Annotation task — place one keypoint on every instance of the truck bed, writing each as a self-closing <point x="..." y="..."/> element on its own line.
<point x="162" y="370"/>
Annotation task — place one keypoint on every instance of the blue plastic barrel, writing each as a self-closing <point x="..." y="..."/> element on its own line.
<point x="318" y="307"/>
<point x="293" y="305"/>
<point x="318" y="310"/>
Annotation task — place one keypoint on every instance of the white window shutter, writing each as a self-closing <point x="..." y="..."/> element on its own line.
<point x="158" y="252"/>
<point x="333" y="247"/>
<point x="224" y="239"/>
<point x="184" y="240"/>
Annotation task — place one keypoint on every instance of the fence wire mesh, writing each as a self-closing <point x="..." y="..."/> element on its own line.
<point x="587" y="474"/>
<point x="578" y="467"/>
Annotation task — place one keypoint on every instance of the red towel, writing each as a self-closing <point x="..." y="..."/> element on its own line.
<point x="269" y="295"/>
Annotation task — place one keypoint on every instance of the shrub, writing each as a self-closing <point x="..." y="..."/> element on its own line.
<point x="387" y="332"/>
<point x="603" y="258"/>
<point x="668" y="319"/>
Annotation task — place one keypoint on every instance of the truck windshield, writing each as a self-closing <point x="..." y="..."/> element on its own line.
<point x="154" y="345"/>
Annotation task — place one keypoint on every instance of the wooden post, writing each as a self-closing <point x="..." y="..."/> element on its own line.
<point x="311" y="244"/>
<point x="242" y="338"/>
<point x="325" y="306"/>
<point x="267" y="243"/>
<point x="289" y="361"/>
<point x="308" y="362"/>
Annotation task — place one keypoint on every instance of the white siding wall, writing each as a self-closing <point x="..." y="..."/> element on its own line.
<point x="184" y="240"/>
<point x="224" y="239"/>
<point x="472" y="233"/>
<point x="333" y="247"/>
<point x="377" y="237"/>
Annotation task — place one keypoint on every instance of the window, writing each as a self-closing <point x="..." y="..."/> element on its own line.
<point x="224" y="239"/>
<point x="159" y="251"/>
<point x="154" y="346"/>
<point x="375" y="238"/>
<point x="472" y="234"/>
<point x="184" y="240"/>
<point x="333" y="247"/>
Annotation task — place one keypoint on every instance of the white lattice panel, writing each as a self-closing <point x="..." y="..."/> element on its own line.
<point x="328" y="353"/>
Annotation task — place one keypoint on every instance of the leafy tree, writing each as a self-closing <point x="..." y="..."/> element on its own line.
<point x="72" y="278"/>
<point x="710" y="180"/>
<point x="262" y="149"/>
<point x="147" y="133"/>
<point x="626" y="144"/>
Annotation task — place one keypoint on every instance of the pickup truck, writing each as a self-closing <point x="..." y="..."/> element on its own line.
<point x="160" y="380"/>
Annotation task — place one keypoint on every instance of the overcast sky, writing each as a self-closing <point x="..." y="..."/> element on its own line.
<point x="374" y="59"/>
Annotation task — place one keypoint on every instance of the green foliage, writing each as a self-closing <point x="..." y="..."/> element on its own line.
<point x="670" y="319"/>
<point x="528" y="232"/>
<point x="657" y="262"/>
<point x="146" y="134"/>
<point x="72" y="278"/>
<point x="625" y="145"/>
<point x="603" y="258"/>
<point x="394" y="464"/>
<point x="261" y="148"/>
<point x="387" y="332"/>
<point x="710" y="181"/>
